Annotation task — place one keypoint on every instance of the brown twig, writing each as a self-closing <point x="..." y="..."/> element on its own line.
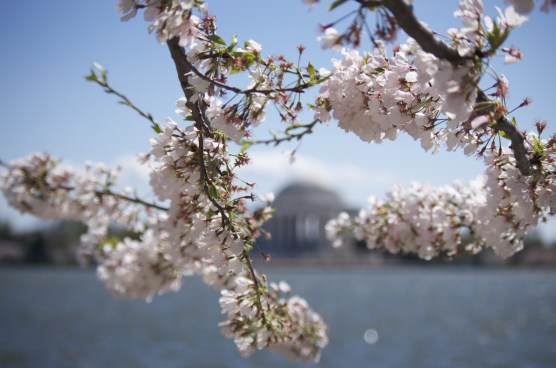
<point x="297" y="89"/>
<point x="517" y="139"/>
<point x="307" y="129"/>
<point x="133" y="200"/>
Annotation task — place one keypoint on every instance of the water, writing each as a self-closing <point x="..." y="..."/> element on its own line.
<point x="439" y="317"/>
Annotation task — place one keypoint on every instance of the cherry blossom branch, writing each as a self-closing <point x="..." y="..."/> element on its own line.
<point x="184" y="68"/>
<point x="406" y="19"/>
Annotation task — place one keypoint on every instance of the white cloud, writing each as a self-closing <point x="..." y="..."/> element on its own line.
<point x="133" y="173"/>
<point x="272" y="170"/>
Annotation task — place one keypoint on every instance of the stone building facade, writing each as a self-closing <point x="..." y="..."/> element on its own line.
<point x="302" y="211"/>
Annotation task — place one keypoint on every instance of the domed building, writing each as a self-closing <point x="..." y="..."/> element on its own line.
<point x="302" y="211"/>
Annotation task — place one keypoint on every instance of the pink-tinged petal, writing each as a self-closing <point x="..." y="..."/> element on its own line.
<point x="479" y="121"/>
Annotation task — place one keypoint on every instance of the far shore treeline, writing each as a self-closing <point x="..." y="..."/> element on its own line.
<point x="57" y="242"/>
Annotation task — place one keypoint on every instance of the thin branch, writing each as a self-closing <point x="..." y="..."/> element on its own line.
<point x="257" y="287"/>
<point x="124" y="197"/>
<point x="133" y="200"/>
<point x="298" y="89"/>
<point x="307" y="129"/>
<point x="126" y="101"/>
<point x="518" y="140"/>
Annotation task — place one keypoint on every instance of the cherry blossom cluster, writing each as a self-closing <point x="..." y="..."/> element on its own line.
<point x="494" y="211"/>
<point x="208" y="245"/>
<point x="40" y="185"/>
<point x="289" y="326"/>
<point x="213" y="246"/>
<point x="377" y="97"/>
<point x="168" y="19"/>
<point x="419" y="219"/>
<point x="515" y="202"/>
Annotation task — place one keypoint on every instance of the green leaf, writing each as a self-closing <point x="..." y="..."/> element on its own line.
<point x="503" y="135"/>
<point x="245" y="145"/>
<point x="336" y="4"/>
<point x="250" y="57"/>
<point x="92" y="77"/>
<point x="311" y="70"/>
<point x="233" y="44"/>
<point x="538" y="148"/>
<point x="111" y="241"/>
<point x="514" y="122"/>
<point x="496" y="38"/>
<point x="157" y="129"/>
<point x="217" y="39"/>
<point x="213" y="192"/>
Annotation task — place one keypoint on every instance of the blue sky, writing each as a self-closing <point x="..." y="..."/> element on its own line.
<point x="46" y="105"/>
